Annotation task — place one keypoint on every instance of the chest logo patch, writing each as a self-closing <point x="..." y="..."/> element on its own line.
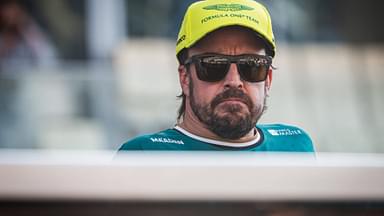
<point x="284" y="132"/>
<point x="166" y="140"/>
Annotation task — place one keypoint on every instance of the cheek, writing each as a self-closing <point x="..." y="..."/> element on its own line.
<point x="257" y="93"/>
<point x="204" y="94"/>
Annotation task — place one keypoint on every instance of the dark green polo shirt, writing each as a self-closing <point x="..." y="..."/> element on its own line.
<point x="273" y="137"/>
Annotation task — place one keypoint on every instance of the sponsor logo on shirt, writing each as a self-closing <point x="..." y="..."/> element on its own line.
<point x="284" y="132"/>
<point x="166" y="140"/>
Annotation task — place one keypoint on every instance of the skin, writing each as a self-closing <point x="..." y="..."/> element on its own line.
<point x="228" y="41"/>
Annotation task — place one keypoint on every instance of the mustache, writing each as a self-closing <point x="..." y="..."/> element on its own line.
<point x="232" y="93"/>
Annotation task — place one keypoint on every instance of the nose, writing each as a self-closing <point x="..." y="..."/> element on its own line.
<point x="233" y="79"/>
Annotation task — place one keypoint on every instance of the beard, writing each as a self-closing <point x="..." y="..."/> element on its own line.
<point x="235" y="120"/>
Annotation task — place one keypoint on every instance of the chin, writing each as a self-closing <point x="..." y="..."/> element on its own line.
<point x="232" y="110"/>
<point x="231" y="117"/>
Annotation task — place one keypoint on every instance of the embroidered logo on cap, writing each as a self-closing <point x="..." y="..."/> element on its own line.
<point x="227" y="7"/>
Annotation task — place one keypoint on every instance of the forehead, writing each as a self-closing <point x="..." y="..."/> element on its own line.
<point x="230" y="40"/>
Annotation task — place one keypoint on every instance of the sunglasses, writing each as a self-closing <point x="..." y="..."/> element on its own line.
<point x="214" y="67"/>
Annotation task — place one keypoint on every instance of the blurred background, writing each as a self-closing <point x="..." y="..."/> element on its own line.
<point x="91" y="74"/>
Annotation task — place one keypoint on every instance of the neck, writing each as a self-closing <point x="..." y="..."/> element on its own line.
<point x="193" y="125"/>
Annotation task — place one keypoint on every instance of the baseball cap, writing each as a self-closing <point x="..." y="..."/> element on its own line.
<point x="203" y="17"/>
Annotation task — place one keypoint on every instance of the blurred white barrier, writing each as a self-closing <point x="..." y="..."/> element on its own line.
<point x="188" y="176"/>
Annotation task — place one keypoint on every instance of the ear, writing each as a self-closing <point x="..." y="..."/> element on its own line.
<point x="184" y="79"/>
<point x="268" y="81"/>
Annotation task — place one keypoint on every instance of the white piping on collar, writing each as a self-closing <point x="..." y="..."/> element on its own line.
<point x="217" y="142"/>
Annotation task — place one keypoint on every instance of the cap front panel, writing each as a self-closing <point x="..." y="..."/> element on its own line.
<point x="206" y="16"/>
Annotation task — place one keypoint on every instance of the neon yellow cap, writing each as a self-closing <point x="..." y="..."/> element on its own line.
<point x="203" y="17"/>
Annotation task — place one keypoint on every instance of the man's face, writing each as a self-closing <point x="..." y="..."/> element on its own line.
<point x="231" y="107"/>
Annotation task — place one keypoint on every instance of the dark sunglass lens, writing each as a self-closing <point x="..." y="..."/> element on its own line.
<point x="252" y="71"/>
<point x="212" y="70"/>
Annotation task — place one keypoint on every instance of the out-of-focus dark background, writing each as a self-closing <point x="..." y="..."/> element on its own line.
<point x="90" y="74"/>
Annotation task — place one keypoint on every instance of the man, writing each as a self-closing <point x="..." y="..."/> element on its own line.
<point x="225" y="51"/>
